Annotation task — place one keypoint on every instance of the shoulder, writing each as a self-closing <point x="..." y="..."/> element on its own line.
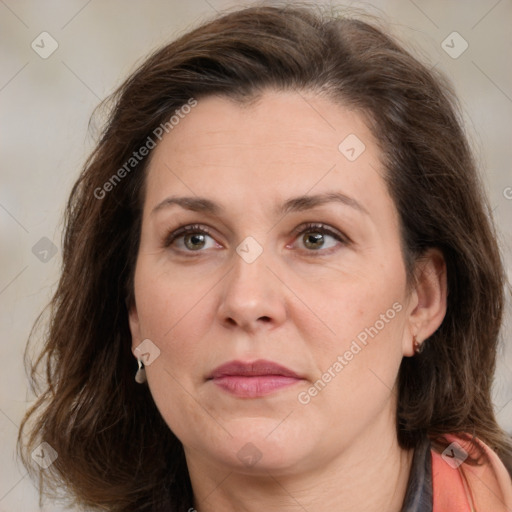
<point x="469" y="476"/>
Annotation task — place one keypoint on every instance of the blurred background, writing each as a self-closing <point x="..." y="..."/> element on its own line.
<point x="59" y="59"/>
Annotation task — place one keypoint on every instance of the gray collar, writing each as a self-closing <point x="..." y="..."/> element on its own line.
<point x="418" y="497"/>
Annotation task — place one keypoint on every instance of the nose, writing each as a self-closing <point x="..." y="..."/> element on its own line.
<point x="253" y="297"/>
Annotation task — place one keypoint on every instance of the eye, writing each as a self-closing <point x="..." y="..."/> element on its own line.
<point x="316" y="237"/>
<point x="191" y="238"/>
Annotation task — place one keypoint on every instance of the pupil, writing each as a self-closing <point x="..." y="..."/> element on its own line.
<point x="194" y="240"/>
<point x="314" y="239"/>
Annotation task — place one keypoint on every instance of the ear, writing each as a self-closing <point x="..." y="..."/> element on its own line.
<point x="133" y="320"/>
<point x="427" y="306"/>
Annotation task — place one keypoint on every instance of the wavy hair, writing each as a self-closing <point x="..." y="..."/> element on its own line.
<point x="115" y="452"/>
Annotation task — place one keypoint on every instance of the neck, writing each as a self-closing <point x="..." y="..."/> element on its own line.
<point x="370" y="475"/>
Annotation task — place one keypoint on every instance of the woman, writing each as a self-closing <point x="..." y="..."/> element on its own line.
<point x="283" y="237"/>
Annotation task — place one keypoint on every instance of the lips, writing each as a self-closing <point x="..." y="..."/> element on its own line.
<point x="254" y="369"/>
<point x="252" y="380"/>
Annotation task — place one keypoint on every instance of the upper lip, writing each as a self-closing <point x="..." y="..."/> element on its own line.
<point x="252" y="369"/>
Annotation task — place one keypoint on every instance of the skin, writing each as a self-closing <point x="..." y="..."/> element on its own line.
<point x="295" y="305"/>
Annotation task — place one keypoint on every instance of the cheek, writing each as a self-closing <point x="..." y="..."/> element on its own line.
<point x="360" y="355"/>
<point x="168" y="316"/>
<point x="364" y="307"/>
<point x="357" y="370"/>
<point x="166" y="301"/>
<point x="174" y="318"/>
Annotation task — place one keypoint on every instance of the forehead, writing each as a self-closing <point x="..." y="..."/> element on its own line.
<point x="285" y="144"/>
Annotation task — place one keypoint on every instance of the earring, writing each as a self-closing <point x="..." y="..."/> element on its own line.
<point x="140" y="376"/>
<point x="418" y="346"/>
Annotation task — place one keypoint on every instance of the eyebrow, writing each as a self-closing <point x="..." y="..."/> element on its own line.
<point x="294" y="204"/>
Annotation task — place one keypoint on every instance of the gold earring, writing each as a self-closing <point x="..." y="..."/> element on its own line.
<point x="140" y="376"/>
<point x="418" y="346"/>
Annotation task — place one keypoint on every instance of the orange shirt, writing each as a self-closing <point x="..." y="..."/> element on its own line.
<point x="462" y="487"/>
<point x="450" y="482"/>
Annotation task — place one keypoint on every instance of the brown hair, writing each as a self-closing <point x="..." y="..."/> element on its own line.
<point x="115" y="452"/>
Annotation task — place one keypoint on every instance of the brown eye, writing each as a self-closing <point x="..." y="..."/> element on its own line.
<point x="316" y="237"/>
<point x="194" y="241"/>
<point x="192" y="238"/>
<point x="314" y="241"/>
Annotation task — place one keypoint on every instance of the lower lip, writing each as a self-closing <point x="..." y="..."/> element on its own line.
<point x="253" y="387"/>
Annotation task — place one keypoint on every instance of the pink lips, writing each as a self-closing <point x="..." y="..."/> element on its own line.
<point x="252" y="380"/>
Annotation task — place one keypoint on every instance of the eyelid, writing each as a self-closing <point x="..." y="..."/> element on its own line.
<point x="324" y="228"/>
<point x="185" y="229"/>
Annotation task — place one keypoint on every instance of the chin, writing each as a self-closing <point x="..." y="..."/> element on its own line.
<point x="263" y="445"/>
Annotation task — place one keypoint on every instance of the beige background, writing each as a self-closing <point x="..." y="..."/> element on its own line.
<point x="46" y="105"/>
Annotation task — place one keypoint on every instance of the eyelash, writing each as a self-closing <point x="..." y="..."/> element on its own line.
<point x="300" y="230"/>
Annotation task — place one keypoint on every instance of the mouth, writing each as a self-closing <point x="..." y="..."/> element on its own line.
<point x="254" y="379"/>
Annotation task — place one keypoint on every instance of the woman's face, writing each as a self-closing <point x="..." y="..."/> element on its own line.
<point x="252" y="281"/>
